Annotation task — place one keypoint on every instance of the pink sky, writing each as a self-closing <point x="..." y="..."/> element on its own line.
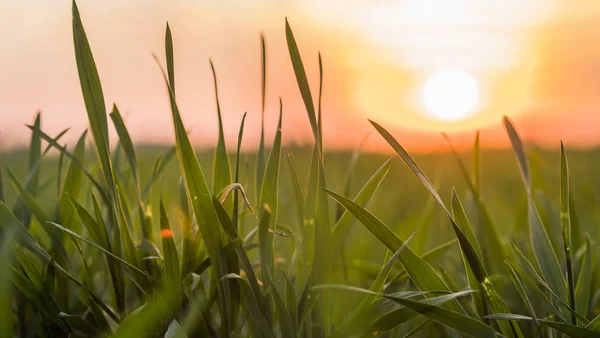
<point x="536" y="61"/>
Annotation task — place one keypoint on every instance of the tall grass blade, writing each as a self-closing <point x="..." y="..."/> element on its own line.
<point x="269" y="203"/>
<point x="544" y="252"/>
<point x="92" y="95"/>
<point x="344" y="224"/>
<point x="565" y="220"/>
<point x="172" y="272"/>
<point x="201" y="198"/>
<point x="451" y="319"/>
<point x="234" y="215"/>
<point x="419" y="271"/>
<point x="583" y="288"/>
<point x="260" y="155"/>
<point x="302" y="83"/>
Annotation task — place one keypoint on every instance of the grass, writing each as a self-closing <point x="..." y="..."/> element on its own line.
<point x="291" y="242"/>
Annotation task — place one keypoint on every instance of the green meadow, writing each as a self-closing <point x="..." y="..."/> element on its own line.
<point x="170" y="241"/>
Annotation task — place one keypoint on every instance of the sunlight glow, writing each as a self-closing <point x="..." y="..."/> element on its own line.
<point x="450" y="94"/>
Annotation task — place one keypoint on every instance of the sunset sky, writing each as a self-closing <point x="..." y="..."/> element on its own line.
<point x="537" y="61"/>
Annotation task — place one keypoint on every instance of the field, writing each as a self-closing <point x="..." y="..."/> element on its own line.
<point x="134" y="241"/>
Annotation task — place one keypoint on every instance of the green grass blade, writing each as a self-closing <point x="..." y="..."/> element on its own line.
<point x="319" y="111"/>
<point x="477" y="165"/>
<point x="75" y="235"/>
<point x="169" y="55"/>
<point x="540" y="281"/>
<point x="7" y="295"/>
<point x="285" y="320"/>
<point x="260" y="155"/>
<point x="399" y="316"/>
<point x="92" y="95"/>
<point x="234" y="215"/>
<point x="565" y="220"/>
<point x="420" y="272"/>
<point x="202" y="204"/>
<point x="221" y="167"/>
<point x="32" y="204"/>
<point x="494" y="253"/>
<point x="172" y="278"/>
<point x="451" y="319"/>
<point x="269" y="203"/>
<point x="345" y="186"/>
<point x="298" y="188"/>
<point x="302" y="83"/>
<point x="126" y="142"/>
<point x="344" y="224"/>
<point x="359" y="320"/>
<point x="583" y="288"/>
<point x="544" y="252"/>
<point x="62" y="149"/>
<point x="568" y="329"/>
<point x="35" y="154"/>
<point x="72" y="186"/>
<point x="259" y="323"/>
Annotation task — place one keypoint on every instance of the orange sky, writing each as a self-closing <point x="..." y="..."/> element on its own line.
<point x="536" y="61"/>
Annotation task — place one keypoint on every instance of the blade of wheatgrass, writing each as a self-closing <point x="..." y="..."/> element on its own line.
<point x="285" y="320"/>
<point x="401" y="315"/>
<point x="231" y="231"/>
<point x="302" y="83"/>
<point x="345" y="186"/>
<point x="8" y="222"/>
<point x="222" y="179"/>
<point x="358" y="322"/>
<point x="565" y="220"/>
<point x="35" y="154"/>
<point x="7" y="294"/>
<point x="32" y="204"/>
<point x="128" y="149"/>
<point x="269" y="203"/>
<point x="319" y="111"/>
<point x="584" y="280"/>
<point x="72" y="186"/>
<point x="64" y="150"/>
<point x="544" y="252"/>
<point x="260" y="155"/>
<point x="568" y="329"/>
<point x="460" y="217"/>
<point x="92" y="95"/>
<point x="451" y="319"/>
<point x="343" y="226"/>
<point x="169" y="56"/>
<point x="494" y="252"/>
<point x="259" y="325"/>
<point x="201" y="198"/>
<point x="172" y="278"/>
<point x="539" y="281"/>
<point x="234" y="215"/>
<point x="420" y="272"/>
<point x="297" y="187"/>
<point x="221" y="167"/>
<point x="470" y="254"/>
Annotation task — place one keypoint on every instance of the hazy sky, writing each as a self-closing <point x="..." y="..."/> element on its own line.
<point x="536" y="61"/>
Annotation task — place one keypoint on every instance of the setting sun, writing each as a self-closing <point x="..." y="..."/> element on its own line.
<point x="450" y="95"/>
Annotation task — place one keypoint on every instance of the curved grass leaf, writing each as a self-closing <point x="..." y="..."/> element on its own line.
<point x="269" y="203"/>
<point x="260" y="155"/>
<point x="568" y="329"/>
<point x="451" y="319"/>
<point x="419" y="271"/>
<point x="202" y="204"/>
<point x="544" y="252"/>
<point x="344" y="224"/>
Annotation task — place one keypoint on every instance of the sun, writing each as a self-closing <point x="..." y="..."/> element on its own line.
<point x="450" y="94"/>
